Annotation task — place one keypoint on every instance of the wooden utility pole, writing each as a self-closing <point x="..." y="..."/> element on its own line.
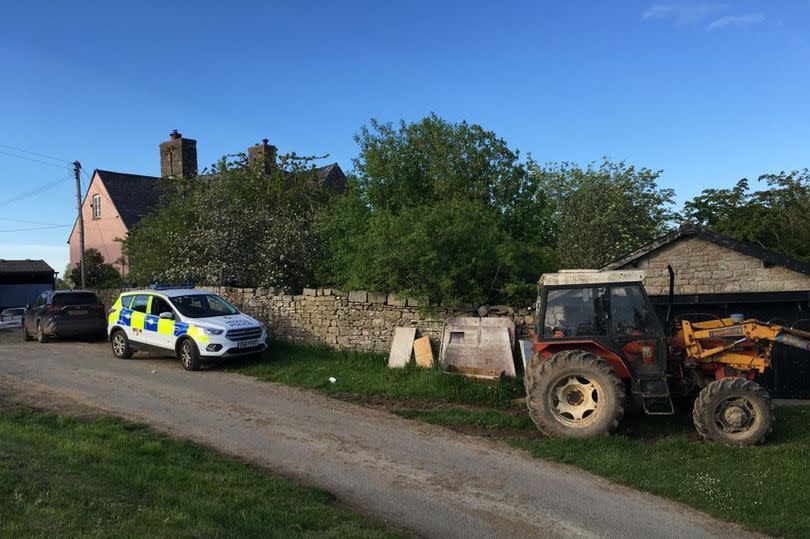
<point x="76" y="168"/>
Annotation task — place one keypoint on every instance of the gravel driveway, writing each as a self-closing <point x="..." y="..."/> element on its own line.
<point x="432" y="481"/>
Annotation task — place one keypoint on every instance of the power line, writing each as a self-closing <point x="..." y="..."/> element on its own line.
<point x="31" y="159"/>
<point x="35" y="228"/>
<point x="34" y="153"/>
<point x="27" y="221"/>
<point x="34" y="192"/>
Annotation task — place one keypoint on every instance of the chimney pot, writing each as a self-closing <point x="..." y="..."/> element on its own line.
<point x="174" y="135"/>
<point x="265" y="141"/>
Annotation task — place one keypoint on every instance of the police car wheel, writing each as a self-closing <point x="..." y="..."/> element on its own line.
<point x="189" y="355"/>
<point x="120" y="345"/>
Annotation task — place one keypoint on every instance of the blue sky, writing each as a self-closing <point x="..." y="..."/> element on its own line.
<point x="707" y="91"/>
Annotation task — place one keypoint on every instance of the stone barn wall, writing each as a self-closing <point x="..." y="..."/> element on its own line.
<point x="703" y="267"/>
<point x="355" y="320"/>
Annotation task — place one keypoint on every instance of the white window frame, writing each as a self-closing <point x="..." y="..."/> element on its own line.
<point x="96" y="206"/>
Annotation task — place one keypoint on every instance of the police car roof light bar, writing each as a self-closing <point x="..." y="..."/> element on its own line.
<point x="169" y="286"/>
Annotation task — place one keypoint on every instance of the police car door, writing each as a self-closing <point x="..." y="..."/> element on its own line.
<point x="139" y="307"/>
<point x="160" y="331"/>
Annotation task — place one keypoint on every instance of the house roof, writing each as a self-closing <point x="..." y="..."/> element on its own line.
<point x="24" y="266"/>
<point x="133" y="195"/>
<point x="332" y="176"/>
<point x="693" y="231"/>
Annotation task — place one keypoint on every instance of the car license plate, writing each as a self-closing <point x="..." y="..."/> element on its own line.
<point x="249" y="344"/>
<point x="78" y="311"/>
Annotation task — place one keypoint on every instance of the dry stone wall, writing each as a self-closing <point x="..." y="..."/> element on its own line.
<point x="356" y="320"/>
<point x="702" y="267"/>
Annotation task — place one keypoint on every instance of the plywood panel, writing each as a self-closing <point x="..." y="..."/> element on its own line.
<point x="401" y="347"/>
<point x="422" y="352"/>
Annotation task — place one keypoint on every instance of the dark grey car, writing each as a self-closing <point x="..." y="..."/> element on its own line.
<point x="64" y="313"/>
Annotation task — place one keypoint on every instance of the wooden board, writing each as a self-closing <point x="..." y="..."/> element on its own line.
<point x="423" y="352"/>
<point x="401" y="347"/>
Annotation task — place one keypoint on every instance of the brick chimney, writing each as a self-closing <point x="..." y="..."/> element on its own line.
<point x="178" y="157"/>
<point x="263" y="153"/>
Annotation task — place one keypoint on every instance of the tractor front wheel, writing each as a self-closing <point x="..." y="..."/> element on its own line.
<point x="574" y="394"/>
<point x="733" y="411"/>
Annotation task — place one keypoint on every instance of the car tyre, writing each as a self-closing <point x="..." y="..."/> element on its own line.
<point x="120" y="344"/>
<point x="41" y="337"/>
<point x="26" y="336"/>
<point x="189" y="355"/>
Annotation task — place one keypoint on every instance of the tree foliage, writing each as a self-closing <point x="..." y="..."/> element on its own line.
<point x="234" y="225"/>
<point x="774" y="218"/>
<point x="441" y="211"/>
<point x="603" y="211"/>
<point x="97" y="273"/>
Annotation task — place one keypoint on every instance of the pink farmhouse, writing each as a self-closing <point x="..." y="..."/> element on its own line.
<point x="116" y="201"/>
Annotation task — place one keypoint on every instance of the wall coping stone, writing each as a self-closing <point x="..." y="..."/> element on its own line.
<point x="358" y="296"/>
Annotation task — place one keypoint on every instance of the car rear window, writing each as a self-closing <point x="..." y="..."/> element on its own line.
<point x="76" y="298"/>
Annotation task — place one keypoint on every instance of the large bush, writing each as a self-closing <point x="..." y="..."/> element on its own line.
<point x="234" y="225"/>
<point x="97" y="272"/>
<point x="603" y="211"/>
<point x="442" y="211"/>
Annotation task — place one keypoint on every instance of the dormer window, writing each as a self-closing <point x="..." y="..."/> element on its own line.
<point x="96" y="206"/>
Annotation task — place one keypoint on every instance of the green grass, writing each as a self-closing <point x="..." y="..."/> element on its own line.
<point x="765" y="488"/>
<point x="65" y="476"/>
<point x="368" y="375"/>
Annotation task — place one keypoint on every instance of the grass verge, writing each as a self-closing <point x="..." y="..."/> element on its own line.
<point x="368" y="375"/>
<point x="66" y="476"/>
<point x="760" y="487"/>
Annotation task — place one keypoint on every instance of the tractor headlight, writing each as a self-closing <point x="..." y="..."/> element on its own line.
<point x="212" y="331"/>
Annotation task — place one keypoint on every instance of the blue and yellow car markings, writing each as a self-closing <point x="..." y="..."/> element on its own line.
<point x="139" y="322"/>
<point x="150" y="322"/>
<point x="125" y="317"/>
<point x="180" y="328"/>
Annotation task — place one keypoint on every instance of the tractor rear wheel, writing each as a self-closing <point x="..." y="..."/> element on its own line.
<point x="733" y="411"/>
<point x="574" y="394"/>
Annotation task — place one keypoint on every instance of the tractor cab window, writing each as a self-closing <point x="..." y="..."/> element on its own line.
<point x="575" y="312"/>
<point x="631" y="313"/>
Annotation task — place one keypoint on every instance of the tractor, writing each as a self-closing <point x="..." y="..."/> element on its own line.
<point x="599" y="348"/>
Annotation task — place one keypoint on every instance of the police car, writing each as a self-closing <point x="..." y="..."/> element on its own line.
<point x="194" y="324"/>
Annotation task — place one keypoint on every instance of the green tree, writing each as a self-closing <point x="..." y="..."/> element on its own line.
<point x="603" y="211"/>
<point x="97" y="273"/>
<point x="442" y="211"/>
<point x="234" y="225"/>
<point x="774" y="218"/>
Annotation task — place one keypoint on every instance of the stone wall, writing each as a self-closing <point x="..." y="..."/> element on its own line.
<point x="355" y="320"/>
<point x="703" y="267"/>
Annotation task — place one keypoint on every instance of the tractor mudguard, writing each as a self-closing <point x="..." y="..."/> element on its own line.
<point x="549" y="348"/>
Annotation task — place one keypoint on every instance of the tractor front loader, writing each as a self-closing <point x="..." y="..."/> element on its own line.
<point x="598" y="346"/>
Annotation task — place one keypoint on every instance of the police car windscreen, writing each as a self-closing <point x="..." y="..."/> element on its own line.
<point x="203" y="306"/>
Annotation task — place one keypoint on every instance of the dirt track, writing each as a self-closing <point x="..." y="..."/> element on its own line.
<point x="420" y="477"/>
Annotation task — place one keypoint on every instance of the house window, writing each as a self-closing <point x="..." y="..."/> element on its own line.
<point x="96" y="206"/>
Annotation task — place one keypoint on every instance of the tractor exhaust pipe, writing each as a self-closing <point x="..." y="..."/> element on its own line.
<point x="671" y="298"/>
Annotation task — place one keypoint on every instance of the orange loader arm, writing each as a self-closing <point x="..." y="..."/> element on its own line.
<point x="707" y="342"/>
